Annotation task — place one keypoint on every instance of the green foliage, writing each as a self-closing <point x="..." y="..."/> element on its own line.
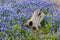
<point x="19" y="11"/>
<point x="46" y="27"/>
<point x="27" y="35"/>
<point x="53" y="37"/>
<point x="56" y="25"/>
<point x="1" y="34"/>
<point x="15" y="20"/>
<point x="23" y="19"/>
<point x="12" y="31"/>
<point x="11" y="22"/>
<point x="16" y="28"/>
<point x="43" y="23"/>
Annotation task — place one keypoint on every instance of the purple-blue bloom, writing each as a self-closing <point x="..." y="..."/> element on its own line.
<point x="13" y="11"/>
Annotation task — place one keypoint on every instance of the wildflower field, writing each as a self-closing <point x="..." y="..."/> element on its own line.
<point x="14" y="13"/>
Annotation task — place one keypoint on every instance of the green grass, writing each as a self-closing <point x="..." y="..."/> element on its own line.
<point x="44" y="32"/>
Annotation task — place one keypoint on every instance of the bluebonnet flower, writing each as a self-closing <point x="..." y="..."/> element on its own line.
<point x="59" y="29"/>
<point x="11" y="9"/>
<point x="10" y="18"/>
<point x="53" y="23"/>
<point x="4" y="18"/>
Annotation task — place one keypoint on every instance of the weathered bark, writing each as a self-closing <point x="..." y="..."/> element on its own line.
<point x="35" y="20"/>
